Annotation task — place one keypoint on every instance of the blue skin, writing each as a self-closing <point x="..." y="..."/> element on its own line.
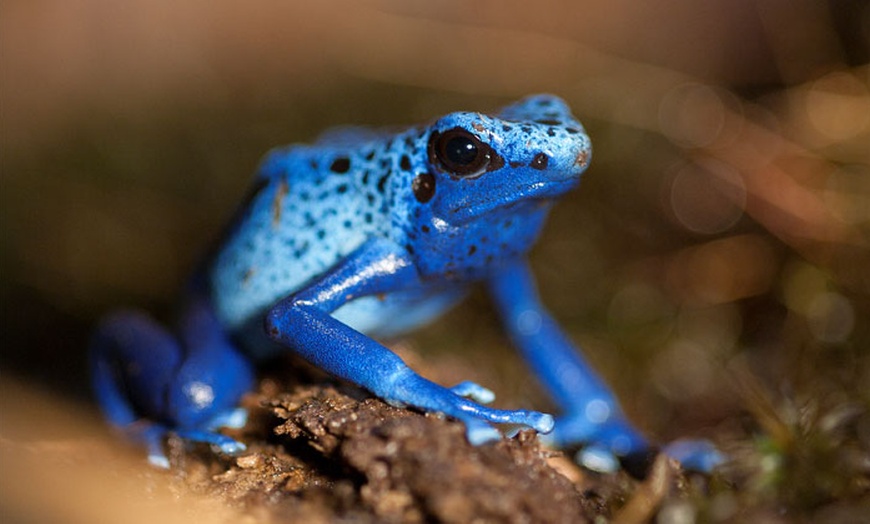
<point x="369" y="234"/>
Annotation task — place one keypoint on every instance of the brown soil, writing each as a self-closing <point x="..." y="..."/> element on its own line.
<point x="323" y="451"/>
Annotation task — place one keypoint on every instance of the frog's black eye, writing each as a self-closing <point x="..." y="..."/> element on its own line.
<point x="459" y="153"/>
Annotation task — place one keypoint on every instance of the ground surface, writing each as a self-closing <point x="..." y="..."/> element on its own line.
<point x="323" y="451"/>
<point x="327" y="451"/>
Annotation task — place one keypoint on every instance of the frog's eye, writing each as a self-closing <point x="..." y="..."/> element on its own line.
<point x="459" y="153"/>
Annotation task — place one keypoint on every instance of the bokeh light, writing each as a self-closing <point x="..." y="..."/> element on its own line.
<point x="694" y="115"/>
<point x="838" y="106"/>
<point x="724" y="270"/>
<point x="707" y="196"/>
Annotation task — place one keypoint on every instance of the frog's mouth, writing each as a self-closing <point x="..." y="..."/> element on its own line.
<point x="541" y="193"/>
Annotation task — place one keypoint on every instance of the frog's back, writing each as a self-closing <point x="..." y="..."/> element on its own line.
<point x="309" y="207"/>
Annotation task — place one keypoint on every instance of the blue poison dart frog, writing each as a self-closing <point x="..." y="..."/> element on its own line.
<point x="367" y="234"/>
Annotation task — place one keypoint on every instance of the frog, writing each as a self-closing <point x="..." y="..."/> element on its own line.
<point x="361" y="236"/>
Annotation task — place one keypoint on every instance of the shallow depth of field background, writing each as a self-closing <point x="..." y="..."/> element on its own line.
<point x="713" y="264"/>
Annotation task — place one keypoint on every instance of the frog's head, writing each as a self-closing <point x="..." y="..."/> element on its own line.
<point x="492" y="177"/>
<point x="532" y="150"/>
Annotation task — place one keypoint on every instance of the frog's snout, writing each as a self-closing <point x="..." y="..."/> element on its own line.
<point x="569" y="161"/>
<point x="581" y="160"/>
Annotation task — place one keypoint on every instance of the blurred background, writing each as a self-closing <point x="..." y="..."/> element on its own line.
<point x="713" y="264"/>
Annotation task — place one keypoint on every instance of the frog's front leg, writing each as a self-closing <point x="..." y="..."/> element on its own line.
<point x="303" y="323"/>
<point x="591" y="414"/>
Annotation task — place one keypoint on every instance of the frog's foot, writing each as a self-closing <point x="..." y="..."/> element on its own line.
<point x="474" y="391"/>
<point x="479" y="432"/>
<point x="609" y="443"/>
<point x="695" y="455"/>
<point x="155" y="436"/>
<point x="605" y="438"/>
<point x="152" y="435"/>
<point x="597" y="424"/>
<point x="700" y="456"/>
<point x="412" y="389"/>
<point x="220" y="443"/>
<point x="233" y="418"/>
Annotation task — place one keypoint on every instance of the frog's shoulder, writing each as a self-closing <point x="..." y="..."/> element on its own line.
<point x="297" y="161"/>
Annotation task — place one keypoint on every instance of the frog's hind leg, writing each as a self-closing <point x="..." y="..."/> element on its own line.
<point x="150" y="382"/>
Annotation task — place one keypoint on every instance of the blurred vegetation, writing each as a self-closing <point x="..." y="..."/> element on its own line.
<point x="713" y="264"/>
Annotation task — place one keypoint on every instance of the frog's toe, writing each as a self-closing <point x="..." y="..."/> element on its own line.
<point x="541" y="422"/>
<point x="598" y="458"/>
<point x="231" y="447"/>
<point x="222" y="443"/>
<point x="158" y="459"/>
<point x="478" y="432"/>
<point x="153" y="439"/>
<point x="151" y="435"/>
<point x="695" y="455"/>
<point x="474" y="391"/>
<point x="233" y="418"/>
<point x="608" y="454"/>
